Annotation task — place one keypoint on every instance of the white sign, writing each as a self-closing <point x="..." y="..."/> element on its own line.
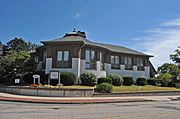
<point x="17" y="81"/>
<point x="36" y="76"/>
<point x="54" y="75"/>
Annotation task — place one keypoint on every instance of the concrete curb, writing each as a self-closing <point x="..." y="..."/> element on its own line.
<point x="95" y="101"/>
<point x="48" y="92"/>
<point x="130" y="94"/>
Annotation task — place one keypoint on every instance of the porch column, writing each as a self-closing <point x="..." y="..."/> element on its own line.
<point x="48" y="65"/>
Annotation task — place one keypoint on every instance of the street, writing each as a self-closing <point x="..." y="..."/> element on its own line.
<point x="133" y="110"/>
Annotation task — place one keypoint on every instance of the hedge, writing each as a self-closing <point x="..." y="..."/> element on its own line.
<point x="104" y="80"/>
<point x="117" y="79"/>
<point x="104" y="88"/>
<point x="68" y="78"/>
<point x="153" y="82"/>
<point x="128" y="81"/>
<point x="141" y="81"/>
<point x="88" y="79"/>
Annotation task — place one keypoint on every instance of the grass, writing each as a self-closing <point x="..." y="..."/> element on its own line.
<point x="74" y="86"/>
<point x="133" y="88"/>
<point x="142" y="88"/>
<point x="78" y="86"/>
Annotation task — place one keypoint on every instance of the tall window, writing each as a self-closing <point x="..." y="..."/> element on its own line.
<point x="66" y="55"/>
<point x="90" y="59"/>
<point x="115" y="62"/>
<point x="140" y="64"/>
<point x="128" y="63"/>
<point x="101" y="59"/>
<point x="63" y="58"/>
<point x="59" y="55"/>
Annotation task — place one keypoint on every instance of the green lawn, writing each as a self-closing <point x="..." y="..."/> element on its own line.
<point x="133" y="88"/>
<point x="78" y="86"/>
<point x="142" y="88"/>
<point x="74" y="86"/>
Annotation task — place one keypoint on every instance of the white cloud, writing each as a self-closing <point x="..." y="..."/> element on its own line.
<point x="161" y="42"/>
<point x="175" y="22"/>
<point x="76" y="15"/>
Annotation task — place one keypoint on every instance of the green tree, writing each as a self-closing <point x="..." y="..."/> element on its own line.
<point x="176" y="56"/>
<point x="17" y="44"/>
<point x="166" y="78"/>
<point x="12" y="64"/>
<point x="169" y="68"/>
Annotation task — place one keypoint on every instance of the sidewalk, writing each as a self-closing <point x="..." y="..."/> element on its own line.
<point x="83" y="100"/>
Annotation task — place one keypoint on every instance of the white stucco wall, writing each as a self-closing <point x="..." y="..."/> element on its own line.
<point x="96" y="71"/>
<point x="132" y="73"/>
<point x="78" y="67"/>
<point x="74" y="69"/>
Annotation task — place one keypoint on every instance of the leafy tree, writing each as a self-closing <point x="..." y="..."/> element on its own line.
<point x="166" y="78"/>
<point x="176" y="56"/>
<point x="17" y="44"/>
<point x="32" y="46"/>
<point x="12" y="64"/>
<point x="169" y="68"/>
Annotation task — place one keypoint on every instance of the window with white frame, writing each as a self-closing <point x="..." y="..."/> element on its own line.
<point x="90" y="59"/>
<point x="63" y="59"/>
<point x="66" y="55"/>
<point x="128" y="63"/>
<point x="140" y="64"/>
<point x="115" y="62"/>
<point x="59" y="55"/>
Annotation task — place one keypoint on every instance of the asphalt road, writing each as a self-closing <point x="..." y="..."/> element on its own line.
<point x="133" y="110"/>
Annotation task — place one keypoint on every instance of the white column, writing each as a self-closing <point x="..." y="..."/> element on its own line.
<point x="98" y="65"/>
<point x="48" y="65"/>
<point x="135" y="68"/>
<point x="76" y="66"/>
<point x="83" y="66"/>
<point x="107" y="68"/>
<point x="147" y="71"/>
<point x="122" y="67"/>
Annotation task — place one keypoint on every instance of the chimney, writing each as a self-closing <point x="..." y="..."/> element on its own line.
<point x="83" y="34"/>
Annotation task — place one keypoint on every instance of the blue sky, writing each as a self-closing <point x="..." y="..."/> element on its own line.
<point x="150" y="26"/>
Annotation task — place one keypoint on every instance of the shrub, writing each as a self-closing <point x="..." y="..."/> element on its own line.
<point x="68" y="78"/>
<point x="104" y="88"/>
<point x="104" y="80"/>
<point x="28" y="79"/>
<point x="88" y="79"/>
<point x="54" y="82"/>
<point x="117" y="79"/>
<point x="153" y="82"/>
<point x="128" y="81"/>
<point x="141" y="81"/>
<point x="171" y="84"/>
<point x="165" y="79"/>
